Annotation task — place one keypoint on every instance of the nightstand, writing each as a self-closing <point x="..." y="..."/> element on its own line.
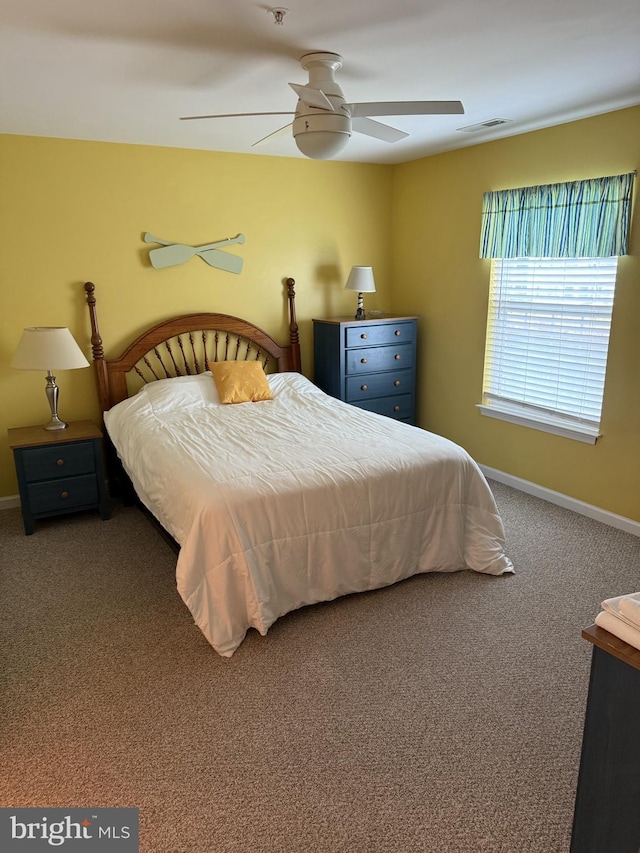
<point x="59" y="471"/>
<point x="368" y="363"/>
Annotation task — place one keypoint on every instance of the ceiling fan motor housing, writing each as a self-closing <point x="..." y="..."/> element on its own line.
<point x="318" y="133"/>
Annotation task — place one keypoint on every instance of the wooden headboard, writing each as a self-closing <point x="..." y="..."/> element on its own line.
<point x="184" y="345"/>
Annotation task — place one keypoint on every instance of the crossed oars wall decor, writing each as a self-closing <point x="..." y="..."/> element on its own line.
<point x="170" y="254"/>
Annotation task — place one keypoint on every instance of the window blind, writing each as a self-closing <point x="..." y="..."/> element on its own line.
<point x="548" y="335"/>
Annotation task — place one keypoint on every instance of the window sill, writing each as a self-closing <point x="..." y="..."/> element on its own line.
<point x="556" y="426"/>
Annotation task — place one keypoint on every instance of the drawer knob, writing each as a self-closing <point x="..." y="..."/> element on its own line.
<point x="397" y="357"/>
<point x="59" y="461"/>
<point x="397" y="382"/>
<point x="363" y="336"/>
<point x="64" y="494"/>
<point x="363" y="387"/>
<point x="363" y="361"/>
<point x="397" y="333"/>
<point x="396" y="408"/>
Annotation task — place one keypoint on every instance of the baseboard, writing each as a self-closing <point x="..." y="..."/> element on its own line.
<point x="594" y="512"/>
<point x="9" y="502"/>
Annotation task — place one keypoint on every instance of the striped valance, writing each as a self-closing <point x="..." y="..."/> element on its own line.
<point x="579" y="219"/>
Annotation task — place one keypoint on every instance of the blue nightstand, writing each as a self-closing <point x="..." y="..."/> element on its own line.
<point x="59" y="471"/>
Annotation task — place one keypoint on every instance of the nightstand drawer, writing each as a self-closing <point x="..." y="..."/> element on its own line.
<point x="400" y="407"/>
<point x="387" y="384"/>
<point x="63" y="460"/>
<point x="373" y="335"/>
<point x="63" y="494"/>
<point x="373" y="359"/>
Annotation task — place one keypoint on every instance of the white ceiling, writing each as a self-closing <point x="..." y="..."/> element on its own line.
<point x="125" y="70"/>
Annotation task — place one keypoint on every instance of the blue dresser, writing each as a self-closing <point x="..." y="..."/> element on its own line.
<point x="368" y="363"/>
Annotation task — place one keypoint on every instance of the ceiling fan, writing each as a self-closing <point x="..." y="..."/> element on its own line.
<point x="323" y="121"/>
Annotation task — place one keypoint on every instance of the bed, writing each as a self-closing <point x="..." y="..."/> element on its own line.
<point x="289" y="501"/>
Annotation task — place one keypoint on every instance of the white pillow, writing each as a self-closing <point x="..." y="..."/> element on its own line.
<point x="181" y="392"/>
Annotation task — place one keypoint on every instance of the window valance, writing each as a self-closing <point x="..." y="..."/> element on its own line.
<point x="579" y="219"/>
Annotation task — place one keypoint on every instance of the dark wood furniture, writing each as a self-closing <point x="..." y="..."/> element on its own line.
<point x="59" y="471"/>
<point x="368" y="363"/>
<point x="607" y="809"/>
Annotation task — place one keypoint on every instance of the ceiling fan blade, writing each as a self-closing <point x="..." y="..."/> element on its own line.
<point x="406" y="108"/>
<point x="234" y="115"/>
<point x="377" y="130"/>
<point x="312" y="97"/>
<point x="273" y="135"/>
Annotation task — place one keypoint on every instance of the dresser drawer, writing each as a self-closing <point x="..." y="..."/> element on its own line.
<point x="387" y="384"/>
<point x="400" y="407"/>
<point x="373" y="359"/>
<point x="63" y="460"/>
<point x="375" y="334"/>
<point x="65" y="493"/>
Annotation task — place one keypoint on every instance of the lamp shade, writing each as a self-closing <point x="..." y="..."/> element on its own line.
<point x="48" y="348"/>
<point x="361" y="280"/>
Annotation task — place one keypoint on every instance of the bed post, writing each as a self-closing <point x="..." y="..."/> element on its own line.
<point x="294" y="338"/>
<point x="97" y="350"/>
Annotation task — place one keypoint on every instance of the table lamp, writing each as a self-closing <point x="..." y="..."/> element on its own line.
<point x="361" y="280"/>
<point x="49" y="348"/>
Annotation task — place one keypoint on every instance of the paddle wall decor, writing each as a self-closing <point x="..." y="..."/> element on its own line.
<point x="170" y="254"/>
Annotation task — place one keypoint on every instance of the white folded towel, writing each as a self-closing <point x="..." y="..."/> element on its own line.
<point x="630" y="608"/>
<point x="621" y="629"/>
<point x="625" y="607"/>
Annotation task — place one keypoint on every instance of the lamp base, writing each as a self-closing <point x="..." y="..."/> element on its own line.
<point x="360" y="315"/>
<point x="52" y="396"/>
<point x="56" y="423"/>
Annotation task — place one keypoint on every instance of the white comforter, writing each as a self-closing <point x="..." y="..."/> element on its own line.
<point x="298" y="499"/>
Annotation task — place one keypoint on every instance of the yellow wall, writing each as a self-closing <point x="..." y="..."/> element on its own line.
<point x="437" y="274"/>
<point x="73" y="211"/>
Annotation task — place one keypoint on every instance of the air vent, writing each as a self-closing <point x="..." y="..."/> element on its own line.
<point x="492" y="122"/>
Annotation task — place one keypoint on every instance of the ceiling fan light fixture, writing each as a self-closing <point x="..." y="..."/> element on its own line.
<point x="321" y="136"/>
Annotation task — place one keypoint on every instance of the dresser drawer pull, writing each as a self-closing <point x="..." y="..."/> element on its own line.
<point x="363" y="387"/>
<point x="363" y="361"/>
<point x="397" y="333"/>
<point x="59" y="461"/>
<point x="363" y="336"/>
<point x="397" y="382"/>
<point x="396" y="408"/>
<point x="64" y="494"/>
<point x="397" y="357"/>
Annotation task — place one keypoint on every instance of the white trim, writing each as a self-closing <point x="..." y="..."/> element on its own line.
<point x="594" y="512"/>
<point x="9" y="502"/>
<point x="579" y="432"/>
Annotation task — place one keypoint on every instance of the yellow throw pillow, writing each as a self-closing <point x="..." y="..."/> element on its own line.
<point x="240" y="381"/>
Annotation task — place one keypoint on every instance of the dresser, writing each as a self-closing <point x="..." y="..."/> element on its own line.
<point x="368" y="363"/>
<point x="59" y="471"/>
<point x="607" y="817"/>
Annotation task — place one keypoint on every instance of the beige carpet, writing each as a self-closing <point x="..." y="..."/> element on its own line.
<point x="442" y="715"/>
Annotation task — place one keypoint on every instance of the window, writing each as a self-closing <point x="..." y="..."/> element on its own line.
<point x="547" y="341"/>
<point x="554" y="255"/>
